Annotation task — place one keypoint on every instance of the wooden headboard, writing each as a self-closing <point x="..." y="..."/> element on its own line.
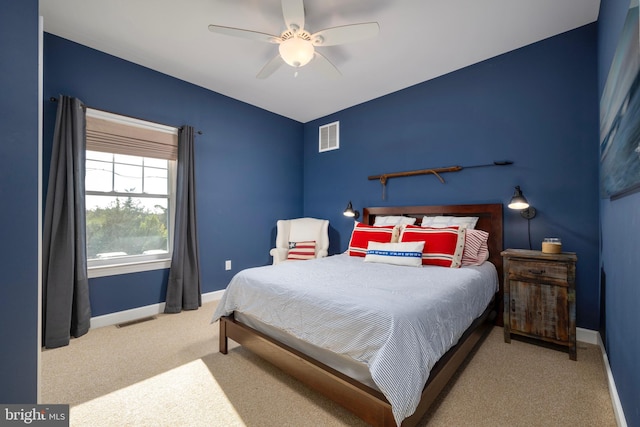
<point x="489" y="220"/>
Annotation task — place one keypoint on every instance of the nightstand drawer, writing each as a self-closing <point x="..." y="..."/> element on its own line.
<point x="546" y="271"/>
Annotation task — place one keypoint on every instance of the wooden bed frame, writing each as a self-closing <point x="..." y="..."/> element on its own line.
<point x="364" y="401"/>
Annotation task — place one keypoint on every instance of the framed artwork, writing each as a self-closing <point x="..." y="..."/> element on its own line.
<point x="620" y="115"/>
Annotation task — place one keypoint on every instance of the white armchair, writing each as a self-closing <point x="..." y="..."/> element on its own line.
<point x="300" y="230"/>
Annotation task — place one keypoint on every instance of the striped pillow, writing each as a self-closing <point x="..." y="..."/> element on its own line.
<point x="476" y="250"/>
<point x="408" y="253"/>
<point x="443" y="246"/>
<point x="363" y="234"/>
<point x="302" y="250"/>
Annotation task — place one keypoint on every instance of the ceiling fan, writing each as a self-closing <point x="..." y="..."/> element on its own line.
<point x="297" y="45"/>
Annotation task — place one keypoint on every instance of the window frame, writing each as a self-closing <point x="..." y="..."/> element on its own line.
<point x="138" y="263"/>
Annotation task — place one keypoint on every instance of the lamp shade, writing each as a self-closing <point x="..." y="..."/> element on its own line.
<point x="518" y="201"/>
<point x="296" y="52"/>
<point x="350" y="212"/>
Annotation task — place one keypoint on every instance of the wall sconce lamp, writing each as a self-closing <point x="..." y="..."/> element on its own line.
<point x="350" y="212"/>
<point x="518" y="201"/>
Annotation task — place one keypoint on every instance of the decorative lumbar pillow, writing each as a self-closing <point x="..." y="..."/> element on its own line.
<point x="408" y="253"/>
<point x="476" y="250"/>
<point x="442" y="246"/>
<point x="394" y="220"/>
<point x="302" y="250"/>
<point x="450" y="221"/>
<point x="363" y="234"/>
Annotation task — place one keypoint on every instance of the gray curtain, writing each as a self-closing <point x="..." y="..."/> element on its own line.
<point x="183" y="289"/>
<point x="65" y="305"/>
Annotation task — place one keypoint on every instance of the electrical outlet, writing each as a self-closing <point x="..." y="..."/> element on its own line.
<point x="227" y="264"/>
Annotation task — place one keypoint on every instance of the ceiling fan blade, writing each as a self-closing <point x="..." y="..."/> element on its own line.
<point x="345" y="34"/>
<point x="270" y="67"/>
<point x="293" y="11"/>
<point x="245" y="34"/>
<point x="322" y="64"/>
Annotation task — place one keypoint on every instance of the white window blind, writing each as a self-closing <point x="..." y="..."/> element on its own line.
<point x="112" y="133"/>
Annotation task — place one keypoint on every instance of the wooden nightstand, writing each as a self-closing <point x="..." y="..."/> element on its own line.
<point x="540" y="296"/>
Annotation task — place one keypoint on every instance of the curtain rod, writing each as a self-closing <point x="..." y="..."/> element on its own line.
<point x="54" y="99"/>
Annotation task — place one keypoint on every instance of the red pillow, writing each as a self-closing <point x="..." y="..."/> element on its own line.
<point x="363" y="234"/>
<point x="442" y="246"/>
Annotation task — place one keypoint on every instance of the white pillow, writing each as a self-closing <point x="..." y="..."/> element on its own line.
<point x="394" y="220"/>
<point x="406" y="253"/>
<point x="449" y="221"/>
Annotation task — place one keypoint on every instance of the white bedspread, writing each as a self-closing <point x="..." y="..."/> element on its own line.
<point x="397" y="320"/>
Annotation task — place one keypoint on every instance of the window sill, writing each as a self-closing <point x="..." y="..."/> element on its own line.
<point x="131" y="267"/>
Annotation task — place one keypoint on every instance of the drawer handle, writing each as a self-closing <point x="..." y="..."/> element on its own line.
<point x="537" y="271"/>
<point x="513" y="305"/>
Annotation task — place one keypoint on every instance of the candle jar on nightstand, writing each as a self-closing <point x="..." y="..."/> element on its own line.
<point x="552" y="245"/>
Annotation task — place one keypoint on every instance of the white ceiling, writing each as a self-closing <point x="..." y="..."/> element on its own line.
<point x="418" y="40"/>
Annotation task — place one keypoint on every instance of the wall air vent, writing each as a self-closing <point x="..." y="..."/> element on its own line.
<point x="135" y="322"/>
<point x="329" y="137"/>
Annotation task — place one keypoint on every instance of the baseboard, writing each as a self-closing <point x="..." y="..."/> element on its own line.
<point x="613" y="391"/>
<point x="587" y="335"/>
<point x="593" y="337"/>
<point x="140" y="312"/>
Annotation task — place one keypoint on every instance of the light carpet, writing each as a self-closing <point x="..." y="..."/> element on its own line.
<point x="168" y="372"/>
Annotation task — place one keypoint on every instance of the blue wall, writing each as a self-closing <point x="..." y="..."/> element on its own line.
<point x="536" y="106"/>
<point x="19" y="195"/>
<point x="620" y="248"/>
<point x="248" y="163"/>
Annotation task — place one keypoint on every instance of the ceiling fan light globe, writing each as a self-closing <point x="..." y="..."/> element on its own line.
<point x="296" y="51"/>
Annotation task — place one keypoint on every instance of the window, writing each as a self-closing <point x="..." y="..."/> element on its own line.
<point x="130" y="188"/>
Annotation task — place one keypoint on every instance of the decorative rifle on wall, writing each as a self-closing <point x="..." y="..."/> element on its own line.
<point x="434" y="171"/>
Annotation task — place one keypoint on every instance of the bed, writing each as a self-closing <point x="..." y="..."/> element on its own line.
<point x="359" y="371"/>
